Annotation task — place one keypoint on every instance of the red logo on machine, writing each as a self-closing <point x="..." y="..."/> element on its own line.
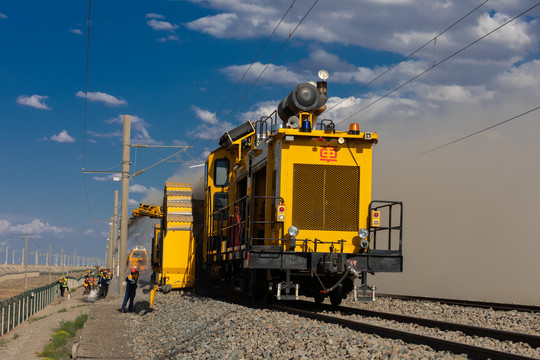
<point x="328" y="153"/>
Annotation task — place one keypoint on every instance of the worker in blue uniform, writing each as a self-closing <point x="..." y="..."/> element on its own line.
<point x="131" y="288"/>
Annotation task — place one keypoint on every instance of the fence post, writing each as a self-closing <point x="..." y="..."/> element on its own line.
<point x="8" y="316"/>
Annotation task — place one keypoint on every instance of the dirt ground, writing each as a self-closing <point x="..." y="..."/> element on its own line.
<point x="31" y="336"/>
<point x="9" y="288"/>
<point x="103" y="336"/>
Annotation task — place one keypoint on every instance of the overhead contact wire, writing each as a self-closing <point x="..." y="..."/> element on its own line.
<point x="473" y="134"/>
<point x="409" y="56"/>
<point x="85" y="108"/>
<point x="266" y="67"/>
<point x="439" y="63"/>
<point x="244" y="75"/>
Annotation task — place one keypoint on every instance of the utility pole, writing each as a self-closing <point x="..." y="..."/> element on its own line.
<point x="26" y="262"/>
<point x="22" y="257"/>
<point x="37" y="256"/>
<point x="6" y="254"/>
<point x="110" y="246"/>
<point x="50" y="261"/>
<point x="122" y="254"/>
<point x="63" y="263"/>
<point x="114" y="243"/>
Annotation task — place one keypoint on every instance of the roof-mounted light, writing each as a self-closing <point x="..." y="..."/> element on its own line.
<point x="323" y="75"/>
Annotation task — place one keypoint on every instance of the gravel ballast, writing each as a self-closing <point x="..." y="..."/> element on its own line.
<point x="186" y="326"/>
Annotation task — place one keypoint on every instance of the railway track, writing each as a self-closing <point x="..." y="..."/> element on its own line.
<point x="471" y="303"/>
<point x="299" y="308"/>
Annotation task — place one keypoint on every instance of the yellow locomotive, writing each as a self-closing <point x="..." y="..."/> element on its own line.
<point x="138" y="257"/>
<point x="288" y="208"/>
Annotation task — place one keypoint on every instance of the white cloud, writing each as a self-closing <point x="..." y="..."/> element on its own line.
<point x="110" y="177"/>
<point x="35" y="101"/>
<point x="3" y="16"/>
<point x="138" y="189"/>
<point x="139" y="130"/>
<point x="263" y="108"/>
<point x="4" y="226"/>
<point x="133" y="203"/>
<point x="154" y="16"/>
<point x="159" y="25"/>
<point x="89" y="232"/>
<point x="525" y="76"/>
<point x="63" y="137"/>
<point x="76" y="31"/>
<point x="117" y="133"/>
<point x="169" y="38"/>
<point x="274" y="73"/>
<point x="207" y="132"/>
<point x="98" y="96"/>
<point x="218" y="26"/>
<point x="205" y="115"/>
<point x="348" y="22"/>
<point x="35" y="228"/>
<point x="513" y="36"/>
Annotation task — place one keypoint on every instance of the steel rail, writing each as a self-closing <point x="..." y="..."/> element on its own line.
<point x="471" y="303"/>
<point x="502" y="335"/>
<point x="435" y="343"/>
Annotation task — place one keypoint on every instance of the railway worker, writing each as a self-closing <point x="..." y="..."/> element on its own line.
<point x="86" y="285"/>
<point x="63" y="285"/>
<point x="131" y="288"/>
<point x="103" y="281"/>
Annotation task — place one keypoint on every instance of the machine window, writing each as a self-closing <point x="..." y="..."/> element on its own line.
<point x="221" y="200"/>
<point x="221" y="172"/>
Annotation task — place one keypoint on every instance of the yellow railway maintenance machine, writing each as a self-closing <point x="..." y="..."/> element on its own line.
<point x="288" y="208"/>
<point x="173" y="249"/>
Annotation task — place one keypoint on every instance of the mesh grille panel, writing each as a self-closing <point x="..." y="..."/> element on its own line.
<point x="325" y="197"/>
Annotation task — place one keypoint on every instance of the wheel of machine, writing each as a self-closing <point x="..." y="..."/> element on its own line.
<point x="336" y="296"/>
<point x="166" y="288"/>
<point x="259" y="287"/>
<point x="335" y="299"/>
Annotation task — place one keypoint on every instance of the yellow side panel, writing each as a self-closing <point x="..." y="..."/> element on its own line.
<point x="178" y="264"/>
<point x="178" y="255"/>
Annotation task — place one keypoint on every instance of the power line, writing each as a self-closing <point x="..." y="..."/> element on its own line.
<point x="410" y="55"/>
<point x="244" y="75"/>
<point x="266" y="67"/>
<point x="472" y="134"/>
<point x="440" y="62"/>
<point x="85" y="108"/>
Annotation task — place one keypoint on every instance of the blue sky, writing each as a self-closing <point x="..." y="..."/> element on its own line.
<point x="171" y="65"/>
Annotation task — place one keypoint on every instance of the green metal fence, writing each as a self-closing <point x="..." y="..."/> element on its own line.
<point x="19" y="308"/>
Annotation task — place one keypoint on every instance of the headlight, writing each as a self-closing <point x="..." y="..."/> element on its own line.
<point x="363" y="233"/>
<point x="364" y="244"/>
<point x="293" y="231"/>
